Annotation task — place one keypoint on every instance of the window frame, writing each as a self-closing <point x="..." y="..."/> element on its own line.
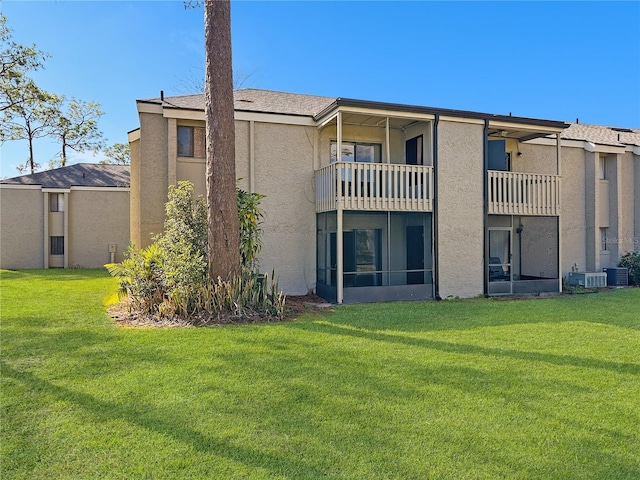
<point x="334" y="158"/>
<point x="56" y="202"/>
<point x="190" y="151"/>
<point x="603" y="239"/>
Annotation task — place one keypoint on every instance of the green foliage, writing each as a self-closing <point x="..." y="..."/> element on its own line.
<point x="170" y="277"/>
<point x="250" y="216"/>
<point x="15" y="62"/>
<point x="141" y="278"/>
<point x="631" y="260"/>
<point x="245" y="295"/>
<point x="77" y="127"/>
<point x="117" y="154"/>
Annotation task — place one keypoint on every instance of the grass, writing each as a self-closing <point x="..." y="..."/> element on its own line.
<point x="530" y="389"/>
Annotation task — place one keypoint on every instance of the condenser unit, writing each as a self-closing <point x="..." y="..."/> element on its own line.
<point x="617" y="277"/>
<point x="587" y="280"/>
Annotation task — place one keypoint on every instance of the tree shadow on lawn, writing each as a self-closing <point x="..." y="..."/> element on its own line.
<point x="142" y="417"/>
<point x="461" y="348"/>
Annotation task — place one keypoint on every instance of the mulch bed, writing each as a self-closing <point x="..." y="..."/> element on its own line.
<point x="295" y="305"/>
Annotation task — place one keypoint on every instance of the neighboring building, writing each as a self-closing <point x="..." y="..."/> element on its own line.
<point x="377" y="201"/>
<point x="75" y="216"/>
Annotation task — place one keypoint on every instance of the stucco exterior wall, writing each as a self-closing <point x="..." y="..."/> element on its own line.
<point x="626" y="222"/>
<point x="134" y="203"/>
<point x="534" y="158"/>
<point x="97" y="219"/>
<point x="460" y="209"/>
<point x="636" y="189"/>
<point x="152" y="178"/>
<point x="21" y="229"/>
<point x="243" y="145"/>
<point x="284" y="174"/>
<point x="573" y="225"/>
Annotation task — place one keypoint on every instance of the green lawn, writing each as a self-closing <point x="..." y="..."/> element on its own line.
<point x="541" y="388"/>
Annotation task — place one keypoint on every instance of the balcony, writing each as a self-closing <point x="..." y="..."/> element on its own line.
<point x="515" y="193"/>
<point x="374" y="187"/>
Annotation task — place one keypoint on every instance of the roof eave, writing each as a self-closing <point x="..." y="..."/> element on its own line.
<point x="351" y="102"/>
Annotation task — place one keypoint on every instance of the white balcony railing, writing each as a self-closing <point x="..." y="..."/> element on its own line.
<point x="374" y="186"/>
<point x="514" y="193"/>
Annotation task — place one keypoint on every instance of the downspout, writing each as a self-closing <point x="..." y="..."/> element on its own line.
<point x="434" y="216"/>
<point x="485" y="208"/>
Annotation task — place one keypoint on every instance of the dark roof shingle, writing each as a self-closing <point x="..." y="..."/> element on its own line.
<point x="80" y="175"/>
<point x="254" y="100"/>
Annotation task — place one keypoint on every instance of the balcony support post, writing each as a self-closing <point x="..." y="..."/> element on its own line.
<point x="559" y="203"/>
<point x="339" y="236"/>
<point x="387" y="137"/>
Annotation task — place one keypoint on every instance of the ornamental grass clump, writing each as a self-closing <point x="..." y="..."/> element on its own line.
<point x="169" y="278"/>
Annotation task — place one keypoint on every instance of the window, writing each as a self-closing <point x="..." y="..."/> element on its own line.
<point x="603" y="169"/>
<point x="603" y="239"/>
<point x="56" y="202"/>
<point x="57" y="245"/>
<point x="191" y="142"/>
<point x="357" y="152"/>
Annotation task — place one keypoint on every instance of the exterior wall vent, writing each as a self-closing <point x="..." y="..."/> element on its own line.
<point x="617" y="277"/>
<point x="587" y="280"/>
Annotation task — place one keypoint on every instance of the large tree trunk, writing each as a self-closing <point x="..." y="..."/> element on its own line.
<point x="222" y="217"/>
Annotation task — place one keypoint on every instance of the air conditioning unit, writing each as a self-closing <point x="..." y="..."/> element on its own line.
<point x="587" y="280"/>
<point x="617" y="277"/>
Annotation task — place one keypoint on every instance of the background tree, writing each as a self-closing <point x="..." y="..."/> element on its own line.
<point x="16" y="61"/>
<point x="34" y="114"/>
<point x="77" y="128"/>
<point x="222" y="211"/>
<point x="117" y="154"/>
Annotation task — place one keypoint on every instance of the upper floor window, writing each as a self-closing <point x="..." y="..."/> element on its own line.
<point x="191" y="141"/>
<point x="357" y="152"/>
<point x="603" y="167"/>
<point x="56" y="202"/>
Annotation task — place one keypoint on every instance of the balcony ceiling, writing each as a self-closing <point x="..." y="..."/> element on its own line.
<point x="522" y="135"/>
<point x="376" y="121"/>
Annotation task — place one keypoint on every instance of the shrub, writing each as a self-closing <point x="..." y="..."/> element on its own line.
<point x="631" y="260"/>
<point x="141" y="278"/>
<point x="250" y="216"/>
<point x="170" y="277"/>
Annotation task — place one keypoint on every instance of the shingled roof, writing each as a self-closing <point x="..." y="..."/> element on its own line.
<point x="602" y="135"/>
<point x="79" y="175"/>
<point x="254" y="100"/>
<point x="268" y="101"/>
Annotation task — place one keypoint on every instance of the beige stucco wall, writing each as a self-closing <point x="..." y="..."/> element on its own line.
<point x="284" y="174"/>
<point x="134" y="196"/>
<point x="573" y="222"/>
<point x="152" y="178"/>
<point x="626" y="198"/>
<point x="21" y="228"/>
<point x="97" y="219"/>
<point x="534" y="158"/>
<point x="460" y="209"/>
<point x="636" y="189"/>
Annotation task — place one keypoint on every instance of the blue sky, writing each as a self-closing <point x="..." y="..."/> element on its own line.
<point x="551" y="60"/>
